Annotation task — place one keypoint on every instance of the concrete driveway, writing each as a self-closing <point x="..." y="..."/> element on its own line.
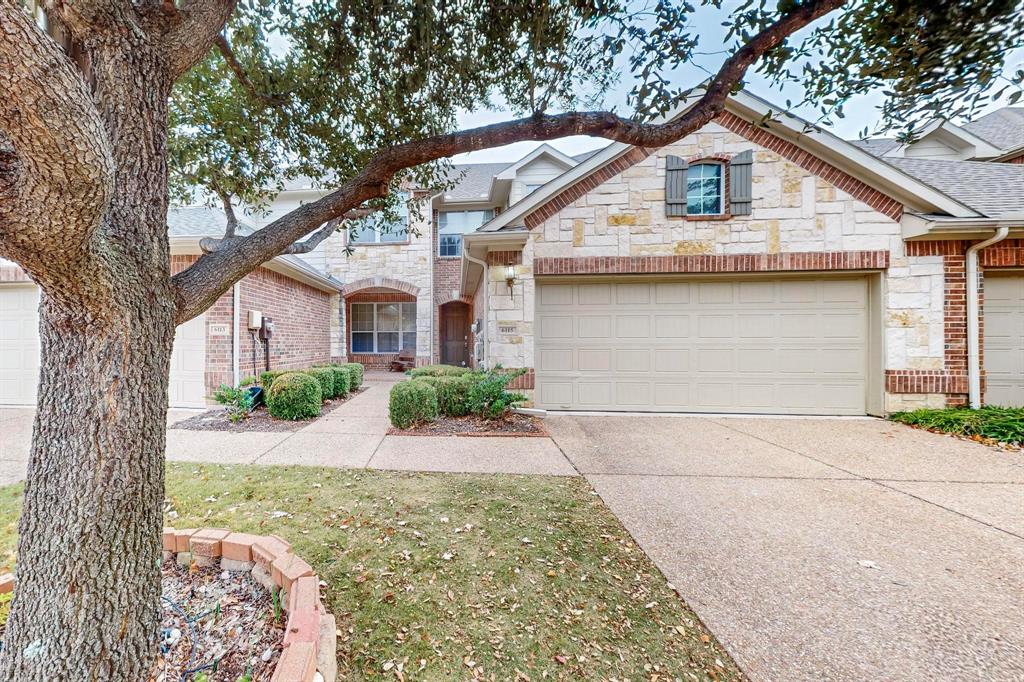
<point x="818" y="549"/>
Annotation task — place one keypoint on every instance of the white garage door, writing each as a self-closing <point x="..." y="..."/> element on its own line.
<point x="19" y="344"/>
<point x="19" y="352"/>
<point x="1004" y="340"/>
<point x="796" y="346"/>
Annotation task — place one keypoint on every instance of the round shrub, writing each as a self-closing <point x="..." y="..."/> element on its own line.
<point x="267" y="378"/>
<point x="325" y="375"/>
<point x="439" y="371"/>
<point x="411" y="403"/>
<point x="356" y="371"/>
<point x="295" y="395"/>
<point x="342" y="377"/>
<point x="452" y="392"/>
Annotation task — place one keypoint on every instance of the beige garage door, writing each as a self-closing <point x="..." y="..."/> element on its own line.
<point x="1004" y="339"/>
<point x="796" y="346"/>
<point x="19" y="352"/>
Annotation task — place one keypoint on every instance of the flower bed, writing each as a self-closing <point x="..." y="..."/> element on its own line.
<point x="309" y="643"/>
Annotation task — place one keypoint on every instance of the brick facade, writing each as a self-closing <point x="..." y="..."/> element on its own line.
<point x="302" y="324"/>
<point x="778" y="262"/>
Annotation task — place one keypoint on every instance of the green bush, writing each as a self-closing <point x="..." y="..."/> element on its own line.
<point x="356" y="372"/>
<point x="342" y="377"/>
<point x="295" y="395"/>
<point x="439" y="371"/>
<point x="452" y="393"/>
<point x="238" y="401"/>
<point x="1004" y="424"/>
<point x="325" y="375"/>
<point x="267" y="378"/>
<point x="411" y="403"/>
<point x="488" y="396"/>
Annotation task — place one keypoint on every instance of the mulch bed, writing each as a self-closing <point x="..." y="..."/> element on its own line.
<point x="208" y="616"/>
<point x="258" y="420"/>
<point x="514" y="425"/>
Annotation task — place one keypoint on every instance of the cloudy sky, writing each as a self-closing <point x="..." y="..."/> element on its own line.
<point x="859" y="113"/>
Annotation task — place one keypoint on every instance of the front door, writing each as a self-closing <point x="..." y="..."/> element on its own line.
<point x="455" y="334"/>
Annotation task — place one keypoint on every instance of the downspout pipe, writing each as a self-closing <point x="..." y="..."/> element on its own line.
<point x="485" y="282"/>
<point x="973" y="313"/>
<point x="236" y="351"/>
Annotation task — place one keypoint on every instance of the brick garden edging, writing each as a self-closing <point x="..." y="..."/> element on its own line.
<point x="310" y="642"/>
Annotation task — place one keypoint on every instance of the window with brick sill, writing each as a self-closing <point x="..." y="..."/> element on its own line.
<point x="382" y="328"/>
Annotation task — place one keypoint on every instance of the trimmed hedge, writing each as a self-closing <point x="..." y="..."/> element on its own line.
<point x="342" y="377"/>
<point x="452" y="393"/>
<point x="325" y="375"/>
<point x="267" y="378"/>
<point x="411" y="403"/>
<point x="355" y="374"/>
<point x="295" y="395"/>
<point x="439" y="371"/>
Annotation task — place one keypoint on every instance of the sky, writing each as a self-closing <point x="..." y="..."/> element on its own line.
<point x="859" y="113"/>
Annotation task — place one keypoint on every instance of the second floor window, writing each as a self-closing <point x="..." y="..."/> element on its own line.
<point x="374" y="230"/>
<point x="451" y="225"/>
<point x="704" y="189"/>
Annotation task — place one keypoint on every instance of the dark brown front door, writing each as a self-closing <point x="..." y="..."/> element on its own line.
<point x="455" y="334"/>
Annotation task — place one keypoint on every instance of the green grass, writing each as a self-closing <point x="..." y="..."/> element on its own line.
<point x="1001" y="424"/>
<point x="442" y="576"/>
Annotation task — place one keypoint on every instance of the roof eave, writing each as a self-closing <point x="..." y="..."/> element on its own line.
<point x="918" y="227"/>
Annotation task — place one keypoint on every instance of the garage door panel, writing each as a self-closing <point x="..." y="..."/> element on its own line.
<point x="594" y="327"/>
<point x="556" y="294"/>
<point x="1004" y="340"/>
<point x="740" y="345"/>
<point x="672" y="292"/>
<point x="556" y="327"/>
<point x="594" y="359"/>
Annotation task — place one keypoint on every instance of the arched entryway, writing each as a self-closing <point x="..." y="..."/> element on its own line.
<point x="381" y="321"/>
<point x="454" y="318"/>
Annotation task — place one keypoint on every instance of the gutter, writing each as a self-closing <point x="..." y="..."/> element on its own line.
<point x="236" y="351"/>
<point x="485" y="282"/>
<point x="973" y="311"/>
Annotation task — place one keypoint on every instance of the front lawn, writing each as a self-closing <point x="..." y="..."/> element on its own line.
<point x="999" y="425"/>
<point x="443" y="576"/>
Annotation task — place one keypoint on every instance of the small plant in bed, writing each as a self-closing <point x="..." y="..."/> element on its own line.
<point x="238" y="402"/>
<point x="1003" y="425"/>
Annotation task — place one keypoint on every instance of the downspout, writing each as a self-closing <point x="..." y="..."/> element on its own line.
<point x="973" y="312"/>
<point x="485" y="282"/>
<point x="236" y="304"/>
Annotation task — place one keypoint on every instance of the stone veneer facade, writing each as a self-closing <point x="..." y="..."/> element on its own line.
<point x="385" y="269"/>
<point x="801" y="205"/>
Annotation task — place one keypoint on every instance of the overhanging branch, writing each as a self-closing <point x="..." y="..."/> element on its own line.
<point x="228" y="54"/>
<point x="210" y="276"/>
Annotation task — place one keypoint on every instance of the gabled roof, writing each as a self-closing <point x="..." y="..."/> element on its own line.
<point x="878" y="146"/>
<point x="992" y="189"/>
<point x="848" y="157"/>
<point x="474" y="181"/>
<point x="1003" y="128"/>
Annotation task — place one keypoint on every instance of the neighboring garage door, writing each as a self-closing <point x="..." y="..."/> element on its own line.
<point x="19" y="344"/>
<point x="1004" y="339"/>
<point x="796" y="346"/>
<point x="19" y="352"/>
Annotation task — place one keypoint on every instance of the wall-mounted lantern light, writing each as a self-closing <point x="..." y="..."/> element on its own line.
<point x="510" y="277"/>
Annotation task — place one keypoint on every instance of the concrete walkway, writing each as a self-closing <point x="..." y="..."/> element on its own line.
<point x="817" y="549"/>
<point x="355" y="435"/>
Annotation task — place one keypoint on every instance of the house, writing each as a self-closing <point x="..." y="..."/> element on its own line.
<point x="214" y="348"/>
<point x="751" y="267"/>
<point x="760" y="265"/>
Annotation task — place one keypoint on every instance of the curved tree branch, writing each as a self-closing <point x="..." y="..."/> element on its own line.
<point x="273" y="100"/>
<point x="195" y="26"/>
<point x="210" y="276"/>
<point x="56" y="167"/>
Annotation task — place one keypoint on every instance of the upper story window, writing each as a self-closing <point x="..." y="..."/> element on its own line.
<point x="704" y="189"/>
<point x="451" y="225"/>
<point x="530" y="189"/>
<point x="375" y="231"/>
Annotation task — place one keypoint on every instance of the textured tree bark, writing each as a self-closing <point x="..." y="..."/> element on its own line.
<point x="88" y="583"/>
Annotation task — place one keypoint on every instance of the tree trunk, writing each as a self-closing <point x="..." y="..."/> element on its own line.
<point x="86" y="599"/>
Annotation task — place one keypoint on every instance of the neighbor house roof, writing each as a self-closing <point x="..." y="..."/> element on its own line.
<point x="992" y="189"/>
<point x="1003" y="128"/>
<point x="186" y="225"/>
<point x="877" y="147"/>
